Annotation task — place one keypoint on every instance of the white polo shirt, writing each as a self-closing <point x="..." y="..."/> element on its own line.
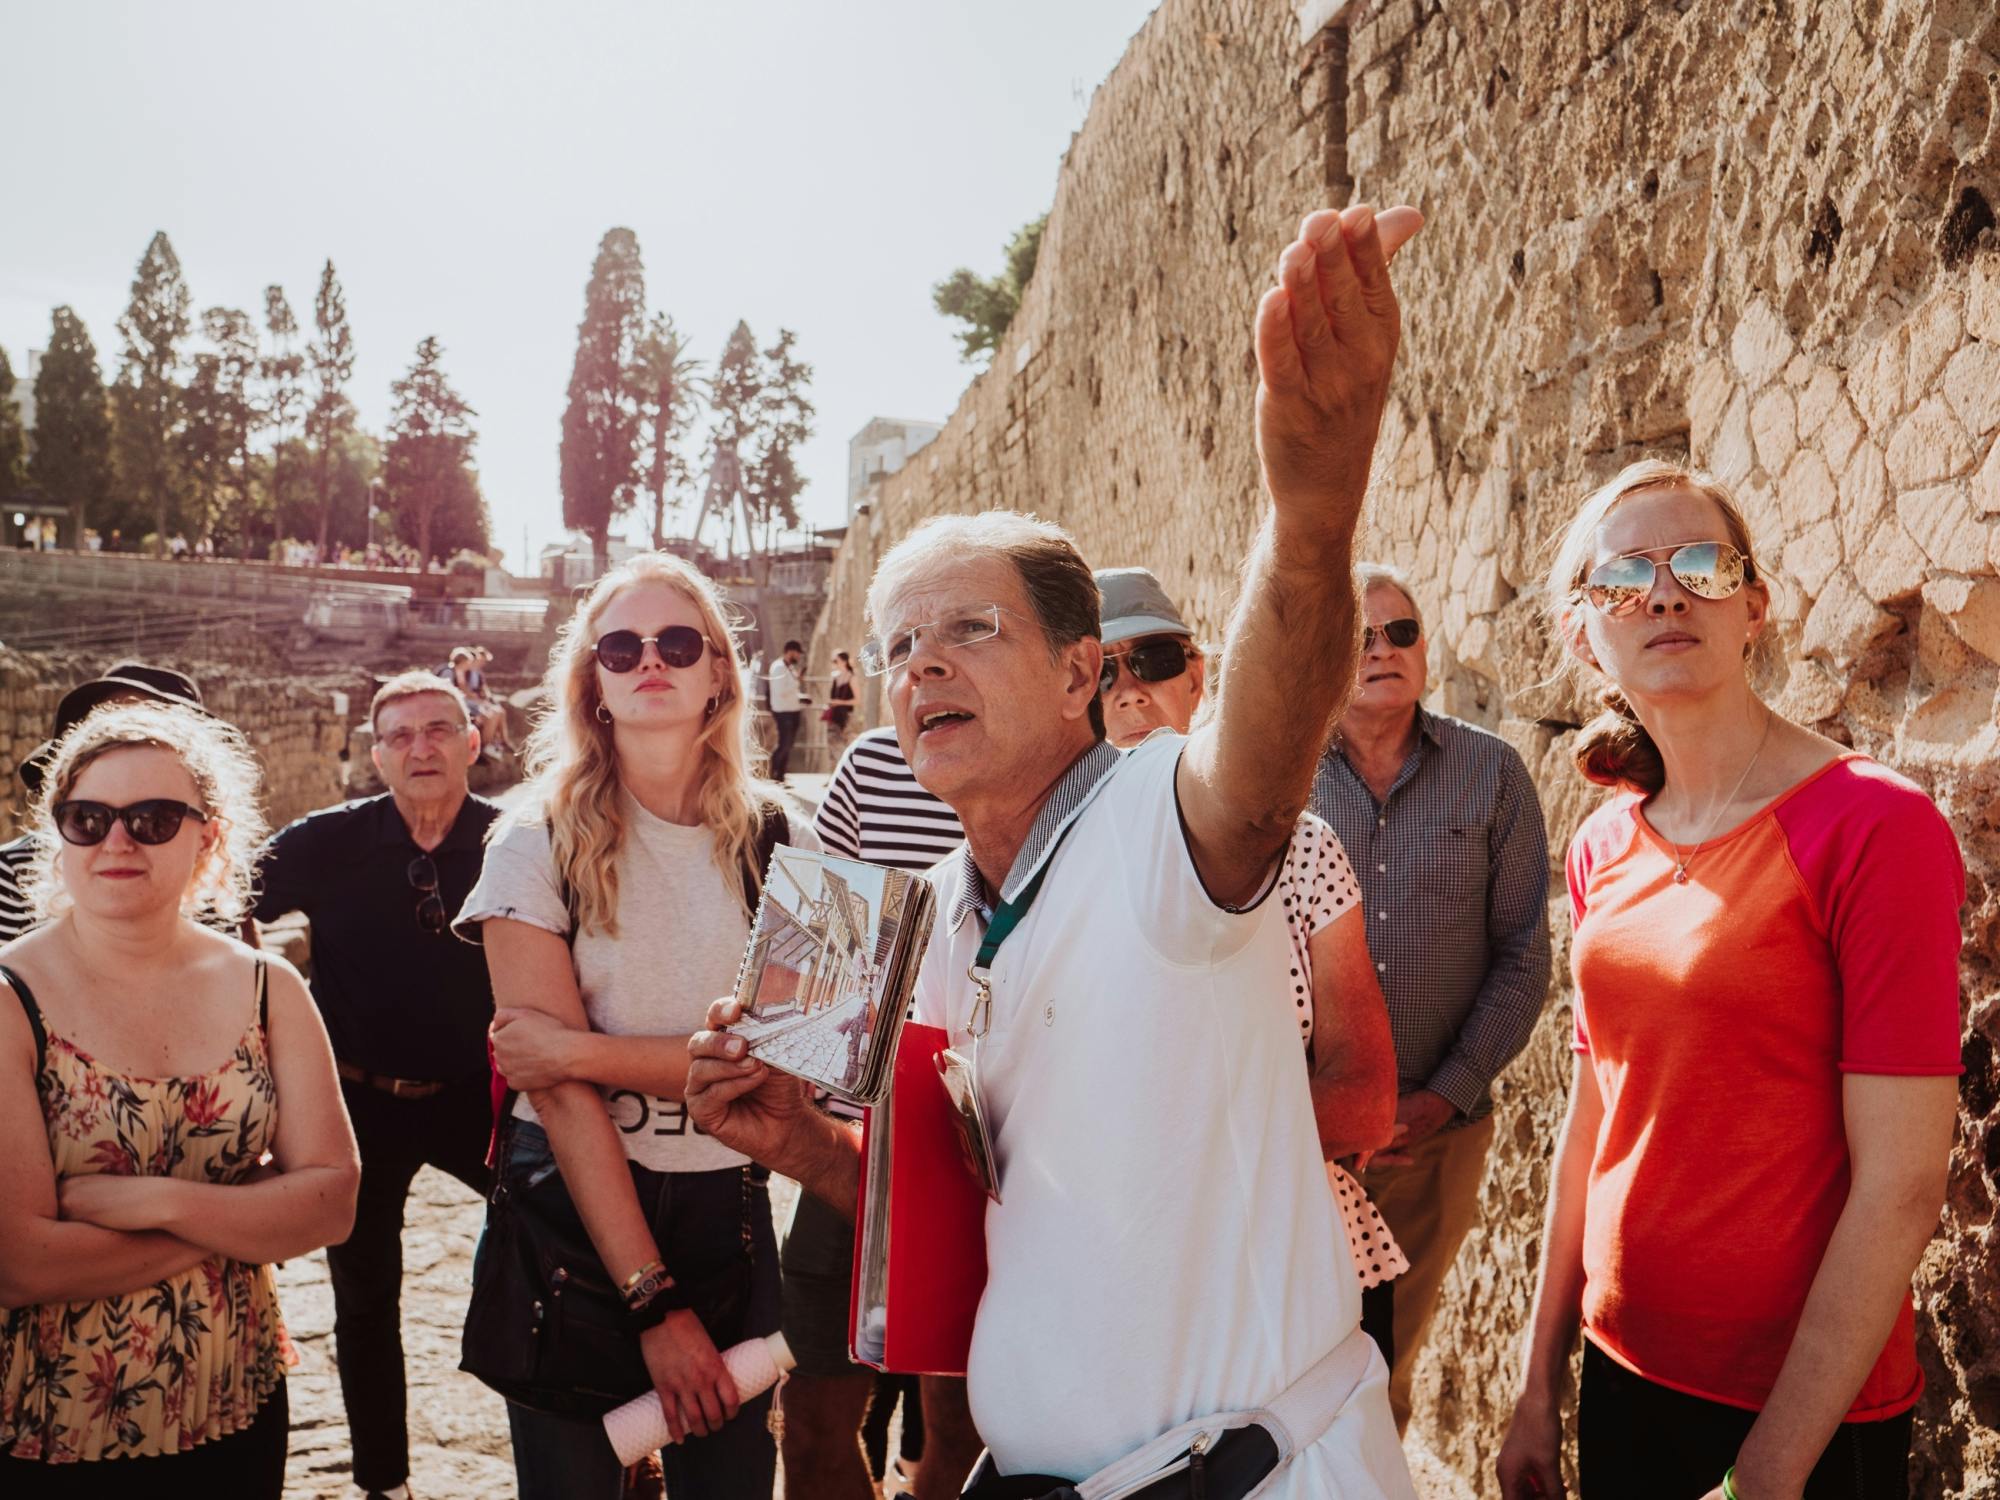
<point x="1167" y="1247"/>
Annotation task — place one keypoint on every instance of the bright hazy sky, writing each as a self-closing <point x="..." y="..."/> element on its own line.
<point x="816" y="166"/>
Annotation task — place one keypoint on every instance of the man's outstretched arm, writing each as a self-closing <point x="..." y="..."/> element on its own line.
<point x="769" y="1116"/>
<point x="1326" y="343"/>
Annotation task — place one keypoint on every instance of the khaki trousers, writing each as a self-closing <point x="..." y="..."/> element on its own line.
<point x="1429" y="1207"/>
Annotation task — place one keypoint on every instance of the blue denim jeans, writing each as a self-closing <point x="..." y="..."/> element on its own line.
<point x="569" y="1458"/>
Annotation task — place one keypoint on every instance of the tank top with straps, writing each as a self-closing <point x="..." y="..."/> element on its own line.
<point x="191" y="1357"/>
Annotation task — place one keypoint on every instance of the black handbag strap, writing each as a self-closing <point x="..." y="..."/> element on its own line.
<point x="27" y="998"/>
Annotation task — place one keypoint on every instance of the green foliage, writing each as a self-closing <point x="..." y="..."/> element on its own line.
<point x="221" y="422"/>
<point x="148" y="397"/>
<point x="71" y="462"/>
<point x="13" y="441"/>
<point x="762" y="416"/>
<point x="600" y="426"/>
<point x="987" y="304"/>
<point x="428" y="465"/>
<point x="666" y="392"/>
<point x="331" y="354"/>
<point x="279" y="373"/>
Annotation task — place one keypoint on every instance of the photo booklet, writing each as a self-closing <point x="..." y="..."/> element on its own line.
<point x="832" y="962"/>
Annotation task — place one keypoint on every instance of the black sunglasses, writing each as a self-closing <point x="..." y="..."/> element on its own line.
<point x="1401" y="633"/>
<point x="622" y="650"/>
<point x="431" y="915"/>
<point x="154" y="821"/>
<point x="1156" y="661"/>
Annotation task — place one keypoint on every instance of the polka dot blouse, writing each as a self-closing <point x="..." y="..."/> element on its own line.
<point x="1316" y="888"/>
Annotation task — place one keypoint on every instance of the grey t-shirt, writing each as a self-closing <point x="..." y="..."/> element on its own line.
<point x="681" y="935"/>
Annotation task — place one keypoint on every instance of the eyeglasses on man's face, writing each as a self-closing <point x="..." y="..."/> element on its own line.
<point x="966" y="626"/>
<point x="1401" y="634"/>
<point x="438" y="732"/>
<point x="1150" y="661"/>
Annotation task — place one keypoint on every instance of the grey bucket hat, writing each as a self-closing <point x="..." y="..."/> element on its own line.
<point x="1134" y="605"/>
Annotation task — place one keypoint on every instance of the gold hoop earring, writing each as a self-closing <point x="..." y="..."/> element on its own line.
<point x="603" y="714"/>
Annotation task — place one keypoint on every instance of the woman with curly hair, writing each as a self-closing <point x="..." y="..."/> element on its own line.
<point x="155" y="1068"/>
<point x="613" y="909"/>
<point x="1766" y="1038"/>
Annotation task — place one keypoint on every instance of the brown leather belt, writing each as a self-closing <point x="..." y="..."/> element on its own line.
<point x="402" y="1088"/>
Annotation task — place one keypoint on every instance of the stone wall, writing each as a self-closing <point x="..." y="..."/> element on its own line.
<point x="296" y="728"/>
<point x="1761" y="235"/>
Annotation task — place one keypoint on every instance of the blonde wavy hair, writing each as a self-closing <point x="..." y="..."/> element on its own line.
<point x="1615" y="749"/>
<point x="572" y="760"/>
<point x="227" y="783"/>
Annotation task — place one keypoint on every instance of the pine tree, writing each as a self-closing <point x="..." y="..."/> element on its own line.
<point x="148" y="393"/>
<point x="13" y="441"/>
<point x="762" y="417"/>
<point x="666" y="391"/>
<point x="332" y="356"/>
<point x="430" y="445"/>
<point x="784" y="422"/>
<point x="986" y="304"/>
<point x="733" y="395"/>
<point x="280" y="371"/>
<point x="71" y="462"/>
<point x="221" y="425"/>
<point x="600" y="426"/>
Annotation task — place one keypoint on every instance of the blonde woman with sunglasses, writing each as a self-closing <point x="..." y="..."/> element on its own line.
<point x="152" y="1069"/>
<point x="613" y="909"/>
<point x="1766" y="1037"/>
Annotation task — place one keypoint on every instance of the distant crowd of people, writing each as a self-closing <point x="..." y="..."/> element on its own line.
<point x="1232" y="946"/>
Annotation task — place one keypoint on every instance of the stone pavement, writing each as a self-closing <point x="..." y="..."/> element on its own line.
<point x="458" y="1428"/>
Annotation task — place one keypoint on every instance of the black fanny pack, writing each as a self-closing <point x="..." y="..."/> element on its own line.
<point x="1232" y="1467"/>
<point x="547" y="1327"/>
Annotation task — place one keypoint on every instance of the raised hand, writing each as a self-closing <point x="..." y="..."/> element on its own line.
<point x="1326" y="341"/>
<point x="735" y="1098"/>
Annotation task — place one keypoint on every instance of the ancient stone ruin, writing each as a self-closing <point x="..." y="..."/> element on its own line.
<point x="1760" y="235"/>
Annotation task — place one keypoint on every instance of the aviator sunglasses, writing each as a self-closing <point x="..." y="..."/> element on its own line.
<point x="622" y="650"/>
<point x="1156" y="661"/>
<point x="1708" y="570"/>
<point x="154" y="821"/>
<point x="1401" y="633"/>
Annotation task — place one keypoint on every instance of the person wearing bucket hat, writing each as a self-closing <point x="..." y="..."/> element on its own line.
<point x="1153" y="670"/>
<point x="127" y="682"/>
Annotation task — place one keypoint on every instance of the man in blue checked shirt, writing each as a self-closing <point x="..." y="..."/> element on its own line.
<point x="1444" y="830"/>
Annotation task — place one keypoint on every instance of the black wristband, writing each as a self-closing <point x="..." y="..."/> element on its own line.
<point x="649" y="1314"/>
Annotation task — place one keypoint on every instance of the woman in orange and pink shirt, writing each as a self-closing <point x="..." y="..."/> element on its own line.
<point x="1767" y="1045"/>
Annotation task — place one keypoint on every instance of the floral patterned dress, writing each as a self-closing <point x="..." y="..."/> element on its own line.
<point x="193" y="1357"/>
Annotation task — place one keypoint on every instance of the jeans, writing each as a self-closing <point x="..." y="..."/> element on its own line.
<point x="397" y="1136"/>
<point x="570" y="1458"/>
<point x="249" y="1464"/>
<point x="788" y="734"/>
<point x="1638" y="1441"/>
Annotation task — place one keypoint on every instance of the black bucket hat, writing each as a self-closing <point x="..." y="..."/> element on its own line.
<point x="161" y="683"/>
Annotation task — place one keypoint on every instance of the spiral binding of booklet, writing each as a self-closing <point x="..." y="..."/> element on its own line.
<point x="826" y="979"/>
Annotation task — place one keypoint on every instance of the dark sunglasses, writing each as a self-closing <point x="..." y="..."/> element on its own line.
<point x="1156" y="661"/>
<point x="1708" y="570"/>
<point x="1401" y="633"/>
<point x="423" y="874"/>
<point x="154" y="821"/>
<point x="622" y="650"/>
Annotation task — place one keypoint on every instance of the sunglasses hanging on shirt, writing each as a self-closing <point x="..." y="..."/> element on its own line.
<point x="423" y="876"/>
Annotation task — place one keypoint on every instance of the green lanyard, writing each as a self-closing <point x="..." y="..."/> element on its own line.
<point x="1005" y="920"/>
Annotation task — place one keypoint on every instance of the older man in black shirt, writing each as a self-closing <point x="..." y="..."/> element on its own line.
<point x="406" y="1006"/>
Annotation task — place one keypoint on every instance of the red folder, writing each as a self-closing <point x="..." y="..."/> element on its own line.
<point x="936" y="1251"/>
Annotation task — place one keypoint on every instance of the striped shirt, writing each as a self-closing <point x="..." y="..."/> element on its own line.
<point x="1454" y="871"/>
<point x="16" y="917"/>
<point x="875" y="811"/>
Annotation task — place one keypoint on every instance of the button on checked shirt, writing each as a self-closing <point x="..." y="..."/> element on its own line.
<point x="1454" y="872"/>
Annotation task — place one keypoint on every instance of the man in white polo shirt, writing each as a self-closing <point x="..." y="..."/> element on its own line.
<point x="1161" y="1253"/>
